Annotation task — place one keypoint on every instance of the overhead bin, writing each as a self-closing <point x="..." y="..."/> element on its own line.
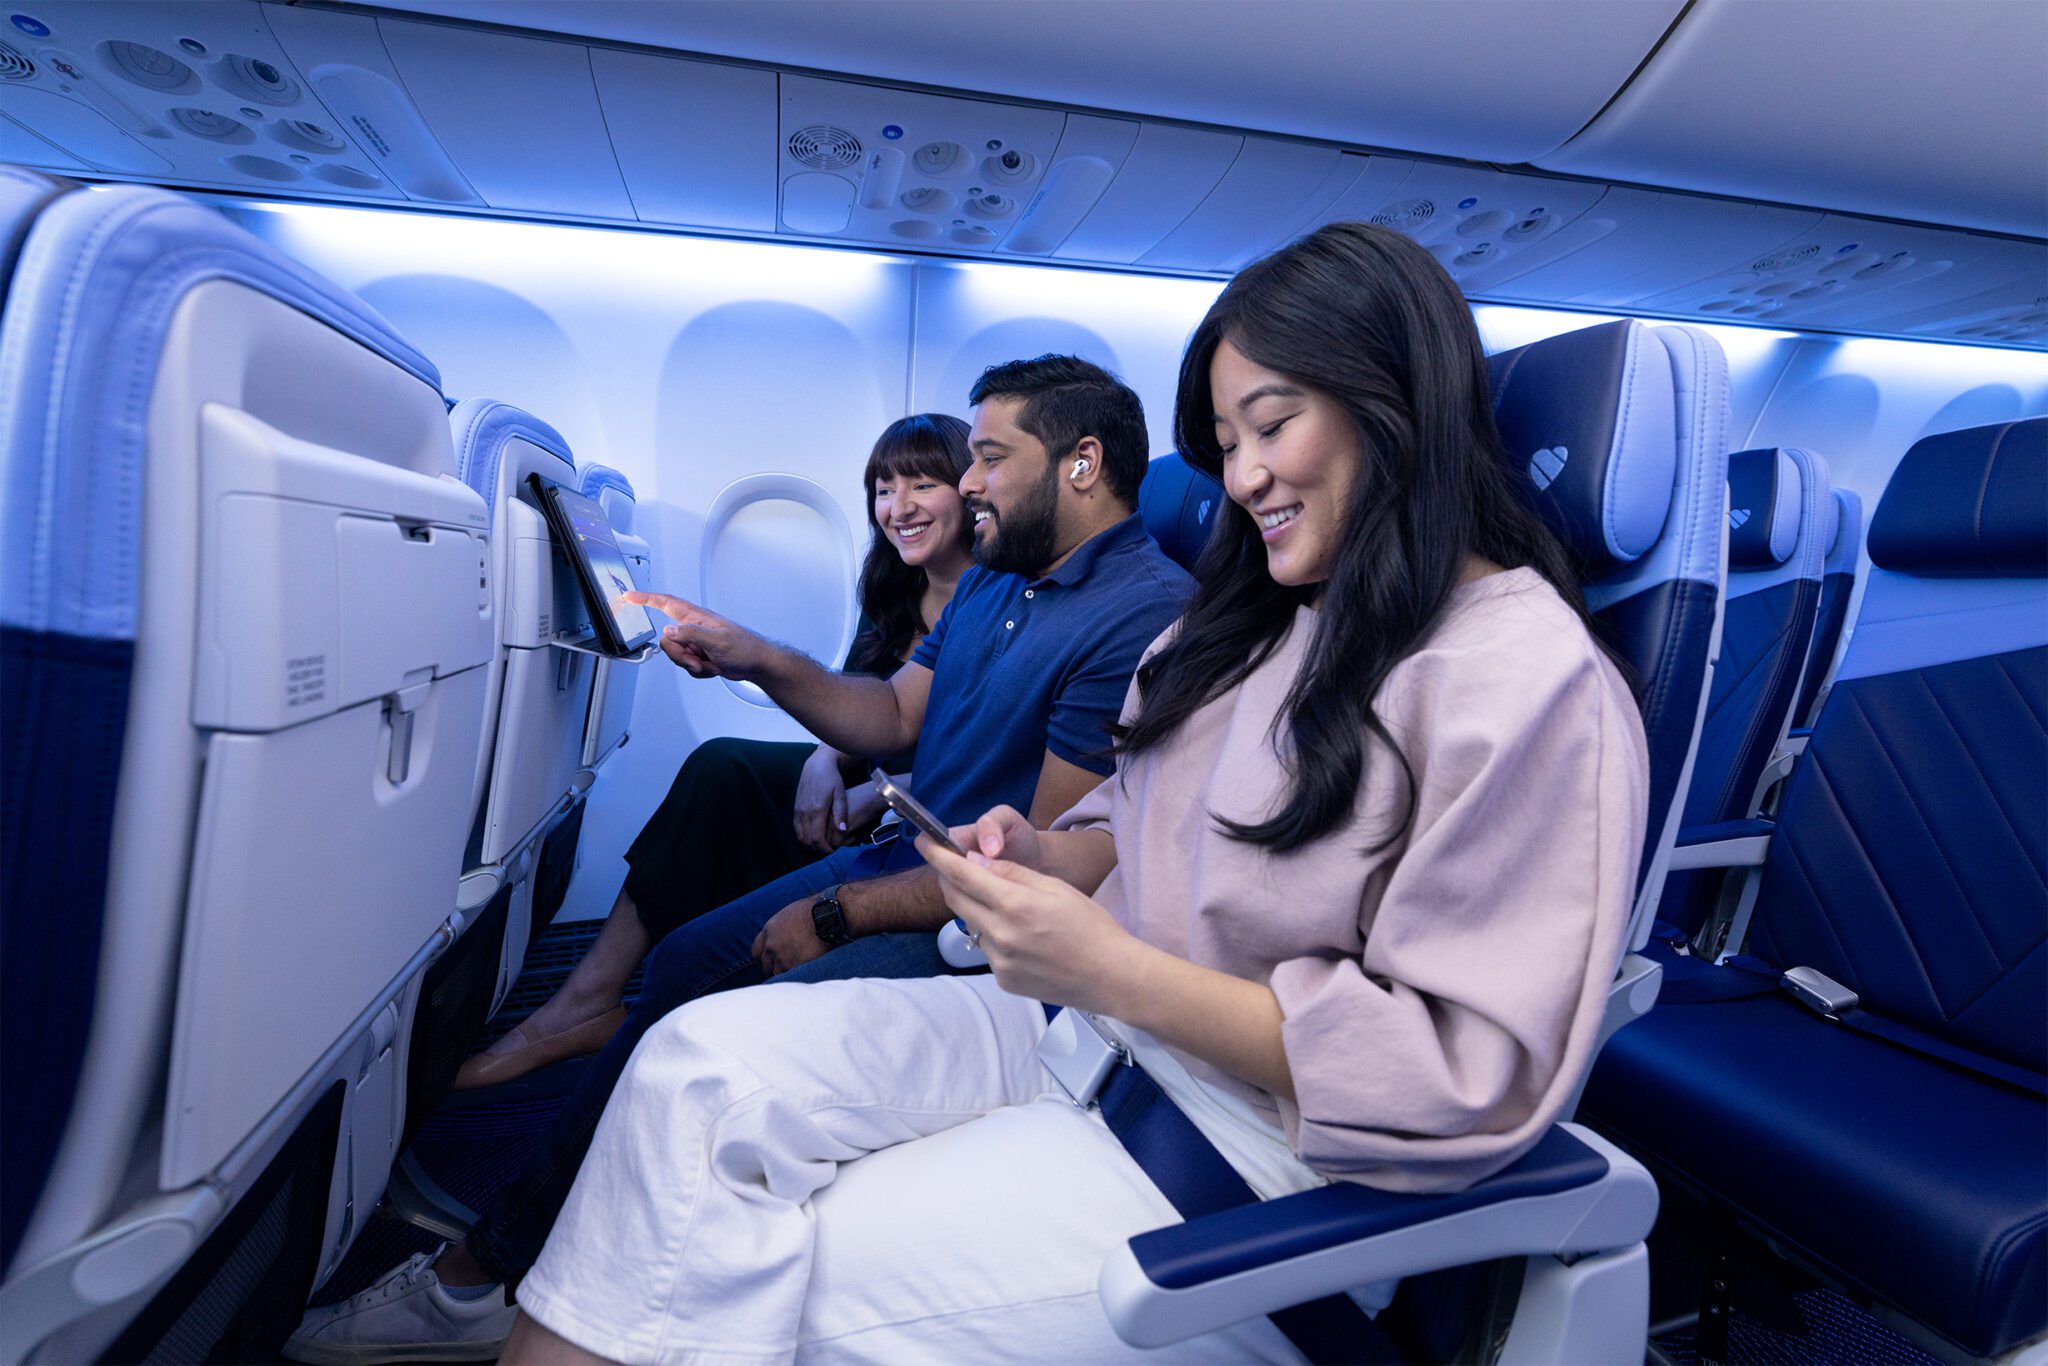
<point x="720" y="176"/>
<point x="518" y="116"/>
<point x="1913" y="111"/>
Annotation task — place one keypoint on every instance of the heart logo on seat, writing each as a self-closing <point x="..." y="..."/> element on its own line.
<point x="1547" y="464"/>
<point x="1736" y="517"/>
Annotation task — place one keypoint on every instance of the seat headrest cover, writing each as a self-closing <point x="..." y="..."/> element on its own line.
<point x="1590" y="419"/>
<point x="482" y="426"/>
<point x="597" y="478"/>
<point x="1968" y="504"/>
<point x="101" y="277"/>
<point x="1763" y="508"/>
<point x="1179" y="504"/>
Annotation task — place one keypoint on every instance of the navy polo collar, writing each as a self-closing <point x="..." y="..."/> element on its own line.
<point x="1128" y="534"/>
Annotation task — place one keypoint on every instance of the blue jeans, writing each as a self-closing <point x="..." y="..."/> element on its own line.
<point x="711" y="953"/>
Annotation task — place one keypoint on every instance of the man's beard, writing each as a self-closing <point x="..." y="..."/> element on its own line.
<point x="1023" y="541"/>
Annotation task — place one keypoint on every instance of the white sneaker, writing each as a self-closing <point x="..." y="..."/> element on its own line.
<point x="405" y="1316"/>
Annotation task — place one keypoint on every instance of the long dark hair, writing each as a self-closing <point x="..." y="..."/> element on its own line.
<point x="892" y="592"/>
<point x="1368" y="318"/>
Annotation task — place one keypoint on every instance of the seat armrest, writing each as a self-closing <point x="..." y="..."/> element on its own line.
<point x="1725" y="844"/>
<point x="1573" y="1193"/>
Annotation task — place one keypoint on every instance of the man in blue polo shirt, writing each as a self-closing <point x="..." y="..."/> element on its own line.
<point x="1008" y="701"/>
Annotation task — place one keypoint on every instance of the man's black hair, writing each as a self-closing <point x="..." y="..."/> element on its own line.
<point x="1067" y="398"/>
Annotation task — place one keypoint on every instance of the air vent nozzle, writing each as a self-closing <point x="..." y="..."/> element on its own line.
<point x="15" y="66"/>
<point x="823" y="147"/>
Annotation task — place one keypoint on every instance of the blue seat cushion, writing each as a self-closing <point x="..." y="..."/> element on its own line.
<point x="1923" y="1186"/>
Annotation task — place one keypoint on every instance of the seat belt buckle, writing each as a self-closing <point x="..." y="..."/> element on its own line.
<point x="1080" y="1055"/>
<point x="1818" y="992"/>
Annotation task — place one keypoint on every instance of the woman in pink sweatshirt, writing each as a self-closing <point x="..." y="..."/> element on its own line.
<point x="1352" y="899"/>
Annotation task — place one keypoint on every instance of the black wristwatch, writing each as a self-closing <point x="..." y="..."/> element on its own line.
<point x="828" y="918"/>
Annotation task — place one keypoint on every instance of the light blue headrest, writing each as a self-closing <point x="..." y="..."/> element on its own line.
<point x="611" y="491"/>
<point x="1590" y="418"/>
<point x="1179" y="504"/>
<point x="1763" y="508"/>
<point x="482" y="426"/>
<point x="23" y="195"/>
<point x="100" y="278"/>
<point x="1969" y="504"/>
<point x="597" y="478"/>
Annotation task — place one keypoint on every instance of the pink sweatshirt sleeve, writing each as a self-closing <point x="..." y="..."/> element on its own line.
<point x="1446" y="1049"/>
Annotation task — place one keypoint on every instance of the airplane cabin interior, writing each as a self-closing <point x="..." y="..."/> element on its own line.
<point x="357" y="358"/>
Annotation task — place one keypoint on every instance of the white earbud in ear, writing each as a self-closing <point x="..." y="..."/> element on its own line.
<point x="1080" y="468"/>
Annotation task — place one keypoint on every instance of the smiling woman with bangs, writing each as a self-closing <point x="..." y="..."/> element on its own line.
<point x="742" y="813"/>
<point x="1351" y="900"/>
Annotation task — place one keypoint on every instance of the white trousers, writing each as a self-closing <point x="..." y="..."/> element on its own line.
<point x="851" y="1171"/>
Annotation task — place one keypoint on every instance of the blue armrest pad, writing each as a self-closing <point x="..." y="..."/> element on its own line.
<point x="1799" y="733"/>
<point x="1186" y="1255"/>
<point x="1725" y="830"/>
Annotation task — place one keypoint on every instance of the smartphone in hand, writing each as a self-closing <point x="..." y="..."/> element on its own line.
<point x="912" y="810"/>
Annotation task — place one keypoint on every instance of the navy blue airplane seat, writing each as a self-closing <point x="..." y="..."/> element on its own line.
<point x="1589" y="417"/>
<point x="1838" y="581"/>
<point x="1178" y="503"/>
<point x="1620" y="430"/>
<point x="1897" y="1145"/>
<point x="1779" y="521"/>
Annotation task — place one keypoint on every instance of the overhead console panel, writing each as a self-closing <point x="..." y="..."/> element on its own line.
<point x="181" y="94"/>
<point x="902" y="167"/>
<point x="344" y="59"/>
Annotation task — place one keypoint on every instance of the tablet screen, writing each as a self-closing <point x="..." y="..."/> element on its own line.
<point x="601" y="566"/>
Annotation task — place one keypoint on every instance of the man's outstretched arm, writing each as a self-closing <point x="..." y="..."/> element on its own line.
<point x="850" y="712"/>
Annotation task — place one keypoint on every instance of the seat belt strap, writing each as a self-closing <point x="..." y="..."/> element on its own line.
<point x="1940" y="1050"/>
<point x="1693" y="981"/>
<point x="1196" y="1181"/>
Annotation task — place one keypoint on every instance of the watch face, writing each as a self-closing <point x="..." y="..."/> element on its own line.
<point x="829" y="920"/>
